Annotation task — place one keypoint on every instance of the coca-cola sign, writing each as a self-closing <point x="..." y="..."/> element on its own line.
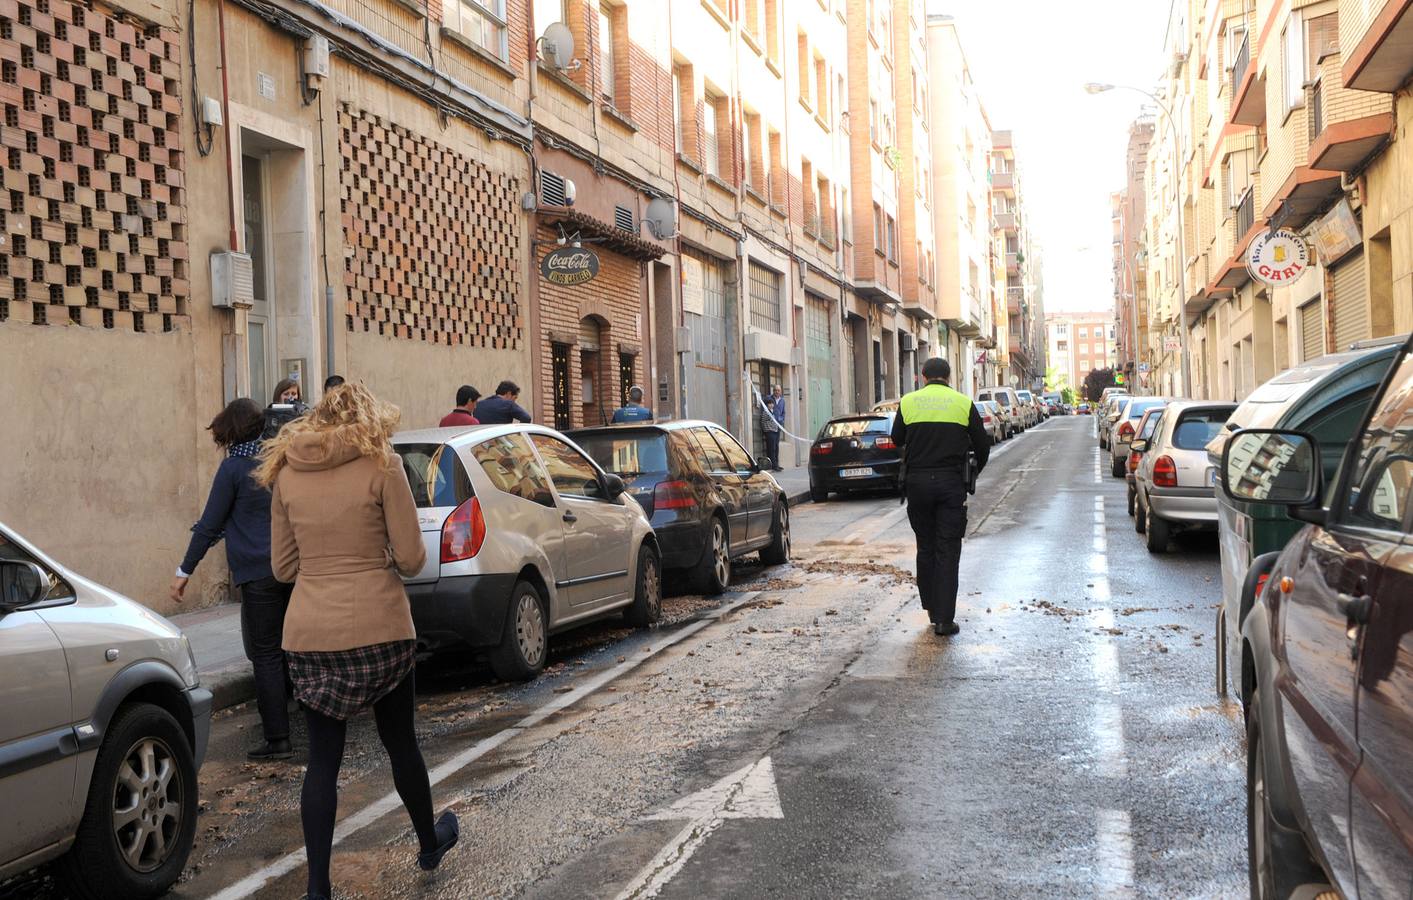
<point x="567" y="266"/>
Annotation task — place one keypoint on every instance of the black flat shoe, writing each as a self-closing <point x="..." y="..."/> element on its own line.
<point x="448" y="832"/>
<point x="271" y="750"/>
<point x="946" y="629"/>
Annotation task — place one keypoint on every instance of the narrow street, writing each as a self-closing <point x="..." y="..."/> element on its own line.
<point x="807" y="736"/>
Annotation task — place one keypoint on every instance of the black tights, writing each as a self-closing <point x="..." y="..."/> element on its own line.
<point x="318" y="802"/>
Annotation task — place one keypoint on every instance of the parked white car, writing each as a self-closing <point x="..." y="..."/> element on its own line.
<point x="525" y="536"/>
<point x="1030" y="408"/>
<point x="1010" y="405"/>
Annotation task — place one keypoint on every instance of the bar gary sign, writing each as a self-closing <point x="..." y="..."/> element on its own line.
<point x="568" y="266"/>
<point x="1277" y="257"/>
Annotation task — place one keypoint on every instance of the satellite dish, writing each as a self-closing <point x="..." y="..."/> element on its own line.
<point x="661" y="218"/>
<point x="557" y="45"/>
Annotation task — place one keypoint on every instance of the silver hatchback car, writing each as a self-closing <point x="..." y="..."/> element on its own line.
<point x="525" y="536"/>
<point x="1174" y="484"/>
<point x="103" y="728"/>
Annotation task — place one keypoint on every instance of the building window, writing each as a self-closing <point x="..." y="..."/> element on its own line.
<point x="772" y="30"/>
<point x="607" y="80"/>
<point x="1083" y="332"/>
<point x="548" y="12"/>
<point x="750" y="150"/>
<point x="1293" y="63"/>
<point x="711" y="163"/>
<point x="804" y="61"/>
<point x="765" y="298"/>
<point x="482" y="22"/>
<point x="677" y="107"/>
<point x="878" y="244"/>
<point x="821" y="88"/>
<point x="775" y="186"/>
<point x="752" y="20"/>
<point x="892" y="236"/>
<point x="873" y="134"/>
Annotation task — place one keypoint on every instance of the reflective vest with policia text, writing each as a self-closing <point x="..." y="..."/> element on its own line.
<point x="948" y="446"/>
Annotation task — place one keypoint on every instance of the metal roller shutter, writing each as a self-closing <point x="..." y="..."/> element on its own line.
<point x="819" y="358"/>
<point x="1349" y="303"/>
<point x="1312" y="331"/>
<point x="706" y="371"/>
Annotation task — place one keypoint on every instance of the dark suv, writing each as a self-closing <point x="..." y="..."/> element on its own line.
<point x="707" y="499"/>
<point x="1327" y="656"/>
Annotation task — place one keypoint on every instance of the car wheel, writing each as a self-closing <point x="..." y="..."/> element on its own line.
<point x="1158" y="531"/>
<point x="1140" y="515"/>
<point x="1116" y="466"/>
<point x="777" y="552"/>
<point x="140" y="818"/>
<point x="817" y="493"/>
<point x="714" y="571"/>
<point x="646" y="608"/>
<point x="1132" y="499"/>
<point x="524" y="643"/>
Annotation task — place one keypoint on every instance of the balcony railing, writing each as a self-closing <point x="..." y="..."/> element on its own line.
<point x="1316" y="107"/>
<point x="1241" y="63"/>
<point x="1245" y="214"/>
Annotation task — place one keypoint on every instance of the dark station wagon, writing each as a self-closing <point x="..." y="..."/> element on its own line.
<point x="854" y="453"/>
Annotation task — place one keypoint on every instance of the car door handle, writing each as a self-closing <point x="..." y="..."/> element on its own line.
<point x="1356" y="609"/>
<point x="570" y="517"/>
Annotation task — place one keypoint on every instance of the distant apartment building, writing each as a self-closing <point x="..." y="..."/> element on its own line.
<point x="1130" y="212"/>
<point x="1077" y="344"/>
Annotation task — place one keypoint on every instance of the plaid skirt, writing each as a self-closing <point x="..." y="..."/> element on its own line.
<point x="342" y="683"/>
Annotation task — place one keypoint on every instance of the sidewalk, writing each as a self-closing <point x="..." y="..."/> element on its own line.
<point x="220" y="655"/>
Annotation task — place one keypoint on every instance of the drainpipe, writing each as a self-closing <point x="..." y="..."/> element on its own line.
<point x="226" y="110"/>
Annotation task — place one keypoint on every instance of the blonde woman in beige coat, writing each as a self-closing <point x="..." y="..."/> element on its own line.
<point x="342" y="526"/>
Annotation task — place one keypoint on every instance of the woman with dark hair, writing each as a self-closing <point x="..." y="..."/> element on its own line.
<point x="343" y="525"/>
<point x="287" y="391"/>
<point x="238" y="510"/>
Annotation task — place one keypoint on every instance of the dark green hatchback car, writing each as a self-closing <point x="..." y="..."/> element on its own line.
<point x="1325" y="398"/>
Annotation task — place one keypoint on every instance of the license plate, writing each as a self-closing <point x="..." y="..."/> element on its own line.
<point x="855" y="473"/>
<point x="1211" y="478"/>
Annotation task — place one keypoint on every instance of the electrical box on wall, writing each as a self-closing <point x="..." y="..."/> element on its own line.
<point x="232" y="280"/>
<point x="316" y="57"/>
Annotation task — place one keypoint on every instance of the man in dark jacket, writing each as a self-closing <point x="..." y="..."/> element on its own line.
<point x="936" y="427"/>
<point x="502" y="408"/>
<point x="466" y="397"/>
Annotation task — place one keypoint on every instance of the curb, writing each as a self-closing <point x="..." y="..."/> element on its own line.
<point x="798" y="497"/>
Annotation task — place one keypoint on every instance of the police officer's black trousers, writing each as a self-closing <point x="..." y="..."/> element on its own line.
<point x="938" y="513"/>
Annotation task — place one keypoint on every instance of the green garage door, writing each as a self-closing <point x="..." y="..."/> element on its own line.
<point x="819" y="362"/>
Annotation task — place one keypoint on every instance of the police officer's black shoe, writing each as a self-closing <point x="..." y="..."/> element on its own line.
<point x="945" y="629"/>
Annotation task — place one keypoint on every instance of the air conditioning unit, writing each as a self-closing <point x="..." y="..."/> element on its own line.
<point x="909" y="341"/>
<point x="232" y="280"/>
<point x="316" y="57"/>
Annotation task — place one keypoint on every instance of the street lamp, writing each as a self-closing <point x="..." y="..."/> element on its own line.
<point x="1096" y="87"/>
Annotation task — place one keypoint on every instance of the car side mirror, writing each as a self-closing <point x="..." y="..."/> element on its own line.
<point x="1138" y="446"/>
<point x="1263" y="465"/>
<point x="21" y="583"/>
<point x="613" y="486"/>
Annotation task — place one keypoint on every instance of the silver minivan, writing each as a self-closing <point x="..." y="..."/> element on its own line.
<point x="526" y="535"/>
<point x="104" y="726"/>
<point x="1010" y="405"/>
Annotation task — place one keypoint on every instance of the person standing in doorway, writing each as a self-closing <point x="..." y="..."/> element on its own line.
<point x="343" y="526"/>
<point x="238" y="510"/>
<point x="502" y="408"/>
<point x="772" y="423"/>
<point x="936" y="427"/>
<point x="466" y="397"/>
<point x="633" y="410"/>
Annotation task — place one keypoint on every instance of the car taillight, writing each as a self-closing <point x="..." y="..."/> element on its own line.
<point x="673" y="495"/>
<point x="1133" y="459"/>
<point x="1261" y="583"/>
<point x="1164" y="472"/>
<point x="464" y="532"/>
<point x="822" y="448"/>
<point x="1126" y="430"/>
<point x="884" y="443"/>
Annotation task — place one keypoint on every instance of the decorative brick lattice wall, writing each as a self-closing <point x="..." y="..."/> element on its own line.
<point x="433" y="239"/>
<point x="93" y="211"/>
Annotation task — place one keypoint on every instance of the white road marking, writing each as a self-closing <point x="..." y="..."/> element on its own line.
<point x="747" y="793"/>
<point x="1114" y="853"/>
<point x="390" y="802"/>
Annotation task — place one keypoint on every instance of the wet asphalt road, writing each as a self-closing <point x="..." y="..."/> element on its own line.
<point x="807" y="736"/>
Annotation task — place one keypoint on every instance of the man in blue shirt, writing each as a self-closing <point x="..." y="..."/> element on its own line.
<point x="771" y="426"/>
<point x="502" y="408"/>
<point x="633" y="410"/>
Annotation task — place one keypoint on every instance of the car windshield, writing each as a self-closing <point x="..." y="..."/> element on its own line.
<point x="435" y="474"/>
<point x="1197" y="428"/>
<point x="852" y="427"/>
<point x="1024" y="395"/>
<point x="627" y="455"/>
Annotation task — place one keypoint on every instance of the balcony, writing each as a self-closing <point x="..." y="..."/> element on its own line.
<point x="1248" y="105"/>
<point x="1015" y="300"/>
<point x="1008" y="222"/>
<point x="1245" y="215"/>
<point x="1344" y="135"/>
<point x="1013" y="263"/>
<point x="1004" y="182"/>
<point x="1383" y="58"/>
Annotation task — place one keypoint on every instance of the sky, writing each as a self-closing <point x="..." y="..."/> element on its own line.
<point x="1030" y="60"/>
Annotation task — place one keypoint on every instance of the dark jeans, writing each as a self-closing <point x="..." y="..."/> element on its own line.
<point x="938" y="513"/>
<point x="772" y="447"/>
<point x="319" y="799"/>
<point x="262" y="624"/>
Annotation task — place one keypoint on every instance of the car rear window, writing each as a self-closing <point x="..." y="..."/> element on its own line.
<point x="1194" y="430"/>
<point x="627" y="455"/>
<point x="1137" y="408"/>
<point x="852" y="427"/>
<point x="436" y="475"/>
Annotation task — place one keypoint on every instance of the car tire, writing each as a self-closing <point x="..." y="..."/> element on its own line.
<point x="818" y="494"/>
<point x="1278" y="860"/>
<point x="1116" y="466"/>
<point x="524" y="642"/>
<point x="148" y="741"/>
<point x="777" y="552"/>
<point x="646" y="608"/>
<point x="1140" y="515"/>
<point x="1157" y="531"/>
<point x="1132" y="501"/>
<point x="714" y="571"/>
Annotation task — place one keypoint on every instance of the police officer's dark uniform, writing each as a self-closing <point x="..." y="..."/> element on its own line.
<point x="936" y="427"/>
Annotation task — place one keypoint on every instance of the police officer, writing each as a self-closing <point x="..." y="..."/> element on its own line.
<point x="936" y="427"/>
